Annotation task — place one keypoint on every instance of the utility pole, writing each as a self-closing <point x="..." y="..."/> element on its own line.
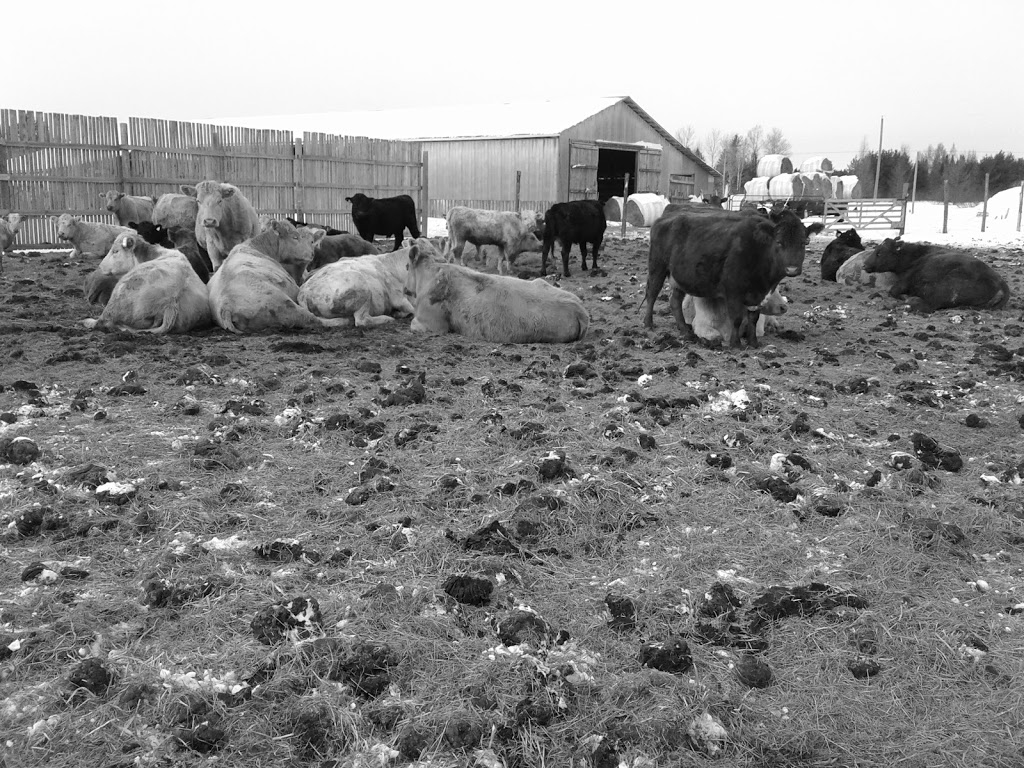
<point x="878" y="164"/>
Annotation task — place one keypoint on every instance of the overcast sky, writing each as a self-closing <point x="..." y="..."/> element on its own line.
<point x="825" y="74"/>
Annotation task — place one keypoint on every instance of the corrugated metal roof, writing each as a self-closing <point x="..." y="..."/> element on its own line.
<point x="541" y="118"/>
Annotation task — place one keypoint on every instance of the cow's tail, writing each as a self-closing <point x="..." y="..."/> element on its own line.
<point x="223" y="319"/>
<point x="1002" y="296"/>
<point x="582" y="324"/>
<point x="170" y="319"/>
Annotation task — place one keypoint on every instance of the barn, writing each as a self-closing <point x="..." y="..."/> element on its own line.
<point x="564" y="150"/>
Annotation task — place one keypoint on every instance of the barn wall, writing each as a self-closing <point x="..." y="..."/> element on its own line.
<point x="620" y="122"/>
<point x="481" y="173"/>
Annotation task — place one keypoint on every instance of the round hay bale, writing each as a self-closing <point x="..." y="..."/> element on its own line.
<point x="785" y="186"/>
<point x="837" y="186"/>
<point x="773" y="165"/>
<point x="613" y="209"/>
<point x="851" y="187"/>
<point x="756" y="186"/>
<point x="644" y="208"/>
<point x="812" y="164"/>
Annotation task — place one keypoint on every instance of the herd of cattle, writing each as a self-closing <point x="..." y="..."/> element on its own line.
<point x="206" y="257"/>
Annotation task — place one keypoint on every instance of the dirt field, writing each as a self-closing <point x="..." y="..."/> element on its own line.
<point x="317" y="547"/>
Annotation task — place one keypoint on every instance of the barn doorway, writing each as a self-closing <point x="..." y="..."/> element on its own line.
<point x="612" y="167"/>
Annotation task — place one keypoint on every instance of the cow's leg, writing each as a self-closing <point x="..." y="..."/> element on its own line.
<point x="583" y="256"/>
<point x="363" y="318"/>
<point x="398" y="239"/>
<point x="503" y="260"/>
<point x="748" y="327"/>
<point x="675" y="303"/>
<point x="566" y="248"/>
<point x="414" y="228"/>
<point x="593" y="253"/>
<point x="457" y="249"/>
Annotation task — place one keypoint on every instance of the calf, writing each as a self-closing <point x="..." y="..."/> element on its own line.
<point x="713" y="323"/>
<point x="86" y="237"/>
<point x="367" y="291"/>
<point x="388" y="216"/>
<point x="155" y="290"/>
<point x="155" y="234"/>
<point x="578" y="221"/>
<point x="504" y="229"/>
<point x="9" y="227"/>
<point x="225" y="219"/>
<point x="845" y="245"/>
<point x="333" y="248"/>
<point x="449" y="298"/>
<point x="256" y="287"/>
<point x="938" y="278"/>
<point x="128" y="208"/>
<point x="737" y="258"/>
<point x="330" y="231"/>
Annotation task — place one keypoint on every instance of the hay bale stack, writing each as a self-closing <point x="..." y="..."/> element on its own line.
<point x="785" y="186"/>
<point x="837" y="186"/>
<point x="756" y="186"/>
<point x="851" y="187"/>
<point x="812" y="164"/>
<point x="613" y="209"/>
<point x="644" y="208"/>
<point x="773" y="165"/>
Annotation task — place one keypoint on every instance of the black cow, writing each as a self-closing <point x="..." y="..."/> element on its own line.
<point x="576" y="222"/>
<point x="180" y="239"/>
<point x="734" y="257"/>
<point x="837" y="252"/>
<point x="330" y="231"/>
<point x="937" y="277"/>
<point x="388" y="216"/>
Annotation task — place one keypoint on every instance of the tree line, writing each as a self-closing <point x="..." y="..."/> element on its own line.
<point x="735" y="156"/>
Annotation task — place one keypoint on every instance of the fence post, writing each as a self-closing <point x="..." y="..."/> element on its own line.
<point x="984" y="205"/>
<point x="298" y="203"/>
<point x="913" y="199"/>
<point x="1020" y="204"/>
<point x="945" y="205"/>
<point x="124" y="170"/>
<point x="625" y="197"/>
<point x="5" y="180"/>
<point x="425" y="193"/>
<point x="519" y="180"/>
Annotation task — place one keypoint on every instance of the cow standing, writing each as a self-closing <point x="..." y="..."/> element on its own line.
<point x="504" y="229"/>
<point x="176" y="210"/>
<point x="128" y="208"/>
<point x="388" y="216"/>
<point x="9" y="227"/>
<point x="737" y="258"/>
<point x="938" y="278"/>
<point x="576" y="222"/>
<point x="225" y="219"/>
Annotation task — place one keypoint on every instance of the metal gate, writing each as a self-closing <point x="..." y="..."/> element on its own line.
<point x="583" y="157"/>
<point x="866" y="214"/>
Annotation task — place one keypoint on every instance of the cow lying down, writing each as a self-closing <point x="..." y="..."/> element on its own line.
<point x="713" y="323"/>
<point x="256" y="287"/>
<point x="449" y="298"/>
<point x="934" y="277"/>
<point x="365" y="291"/>
<point x="155" y="290"/>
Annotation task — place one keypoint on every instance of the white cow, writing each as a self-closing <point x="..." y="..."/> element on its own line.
<point x="505" y="229"/>
<point x="9" y="227"/>
<point x="367" y="290"/>
<point x="87" y="237"/>
<point x="711" y="321"/>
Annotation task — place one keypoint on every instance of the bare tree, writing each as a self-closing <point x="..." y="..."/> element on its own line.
<point x="753" y="142"/>
<point x="712" y="145"/>
<point x="686" y="135"/>
<point x="776" y="143"/>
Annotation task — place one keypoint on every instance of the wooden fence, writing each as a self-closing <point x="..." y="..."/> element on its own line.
<point x="859" y="213"/>
<point x="56" y="163"/>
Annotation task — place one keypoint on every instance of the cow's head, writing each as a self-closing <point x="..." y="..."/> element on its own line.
<point x="14" y="222"/>
<point x="850" y="238"/>
<point x="111" y="198"/>
<point x="791" y="238"/>
<point x="358" y="200"/>
<point x="121" y="257"/>
<point x="292" y="248"/>
<point x="424" y="260"/>
<point x="151" y="233"/>
<point x="66" y="225"/>
<point x="888" y="256"/>
<point x="212" y="196"/>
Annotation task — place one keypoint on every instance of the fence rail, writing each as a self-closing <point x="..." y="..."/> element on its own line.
<point x="57" y="163"/>
<point x="860" y="213"/>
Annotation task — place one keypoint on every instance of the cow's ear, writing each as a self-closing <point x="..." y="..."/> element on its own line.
<point x="318" y="235"/>
<point x="188" y="189"/>
<point x="348" y="199"/>
<point x="414" y="254"/>
<point x="267" y="223"/>
<point x="53" y="220"/>
<point x="226" y="191"/>
<point x="119" y="195"/>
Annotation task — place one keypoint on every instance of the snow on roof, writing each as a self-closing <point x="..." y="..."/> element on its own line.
<point x="543" y="118"/>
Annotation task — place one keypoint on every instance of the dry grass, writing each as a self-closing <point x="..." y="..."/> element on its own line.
<point x="657" y="526"/>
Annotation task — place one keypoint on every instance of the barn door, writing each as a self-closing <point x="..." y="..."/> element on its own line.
<point x="648" y="170"/>
<point x="583" y="157"/>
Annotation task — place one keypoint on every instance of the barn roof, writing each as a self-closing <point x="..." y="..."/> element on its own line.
<point x="508" y="120"/>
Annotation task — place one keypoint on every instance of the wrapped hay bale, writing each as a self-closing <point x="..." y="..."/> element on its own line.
<point x="851" y="187"/>
<point x="613" y="209"/>
<point x="812" y="164"/>
<point x="644" y="208"/>
<point x="837" y="186"/>
<point x="756" y="186"/>
<point x="773" y="165"/>
<point x="786" y="186"/>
